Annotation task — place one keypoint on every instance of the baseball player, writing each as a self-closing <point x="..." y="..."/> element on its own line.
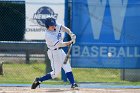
<point x="54" y="41"/>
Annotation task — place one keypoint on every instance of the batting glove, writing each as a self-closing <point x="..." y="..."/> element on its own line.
<point x="73" y="36"/>
<point x="73" y="41"/>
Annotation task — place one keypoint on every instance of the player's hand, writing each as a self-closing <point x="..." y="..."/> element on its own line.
<point x="69" y="42"/>
<point x="73" y="38"/>
<point x="73" y="41"/>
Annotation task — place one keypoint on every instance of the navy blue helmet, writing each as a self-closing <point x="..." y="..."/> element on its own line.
<point x="50" y="21"/>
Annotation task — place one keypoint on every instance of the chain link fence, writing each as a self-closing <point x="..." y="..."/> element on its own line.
<point x="14" y="67"/>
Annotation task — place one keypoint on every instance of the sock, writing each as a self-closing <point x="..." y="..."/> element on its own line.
<point x="46" y="77"/>
<point x="70" y="77"/>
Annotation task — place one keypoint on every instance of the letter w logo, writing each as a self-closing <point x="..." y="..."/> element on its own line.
<point x="97" y="9"/>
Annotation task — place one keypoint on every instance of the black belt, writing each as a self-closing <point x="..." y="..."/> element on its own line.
<point x="55" y="48"/>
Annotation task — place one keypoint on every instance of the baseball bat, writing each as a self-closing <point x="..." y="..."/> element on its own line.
<point x="68" y="54"/>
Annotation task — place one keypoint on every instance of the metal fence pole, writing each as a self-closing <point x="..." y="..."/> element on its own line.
<point x="27" y="57"/>
<point x="1" y="68"/>
<point x="47" y="61"/>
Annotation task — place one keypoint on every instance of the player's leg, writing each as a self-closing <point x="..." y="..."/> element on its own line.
<point x="56" y="68"/>
<point x="69" y="74"/>
<point x="68" y="71"/>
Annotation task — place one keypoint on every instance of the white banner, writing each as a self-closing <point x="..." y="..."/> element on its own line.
<point x="36" y="13"/>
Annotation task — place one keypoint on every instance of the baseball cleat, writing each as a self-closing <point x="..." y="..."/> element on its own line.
<point x="35" y="83"/>
<point x="74" y="86"/>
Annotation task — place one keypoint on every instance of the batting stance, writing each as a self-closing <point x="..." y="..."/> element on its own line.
<point x="54" y="41"/>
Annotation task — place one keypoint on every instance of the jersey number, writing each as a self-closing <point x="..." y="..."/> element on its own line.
<point x="59" y="36"/>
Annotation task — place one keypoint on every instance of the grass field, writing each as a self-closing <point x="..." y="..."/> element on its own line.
<point x="25" y="73"/>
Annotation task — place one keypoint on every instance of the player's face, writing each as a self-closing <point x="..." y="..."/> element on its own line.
<point x="52" y="28"/>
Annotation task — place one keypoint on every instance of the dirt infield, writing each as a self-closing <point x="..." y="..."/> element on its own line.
<point x="64" y="90"/>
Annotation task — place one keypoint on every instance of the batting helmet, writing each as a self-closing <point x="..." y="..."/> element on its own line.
<point x="50" y="22"/>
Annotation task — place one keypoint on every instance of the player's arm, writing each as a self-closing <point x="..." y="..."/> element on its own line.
<point x="64" y="44"/>
<point x="68" y="31"/>
<point x="53" y="42"/>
